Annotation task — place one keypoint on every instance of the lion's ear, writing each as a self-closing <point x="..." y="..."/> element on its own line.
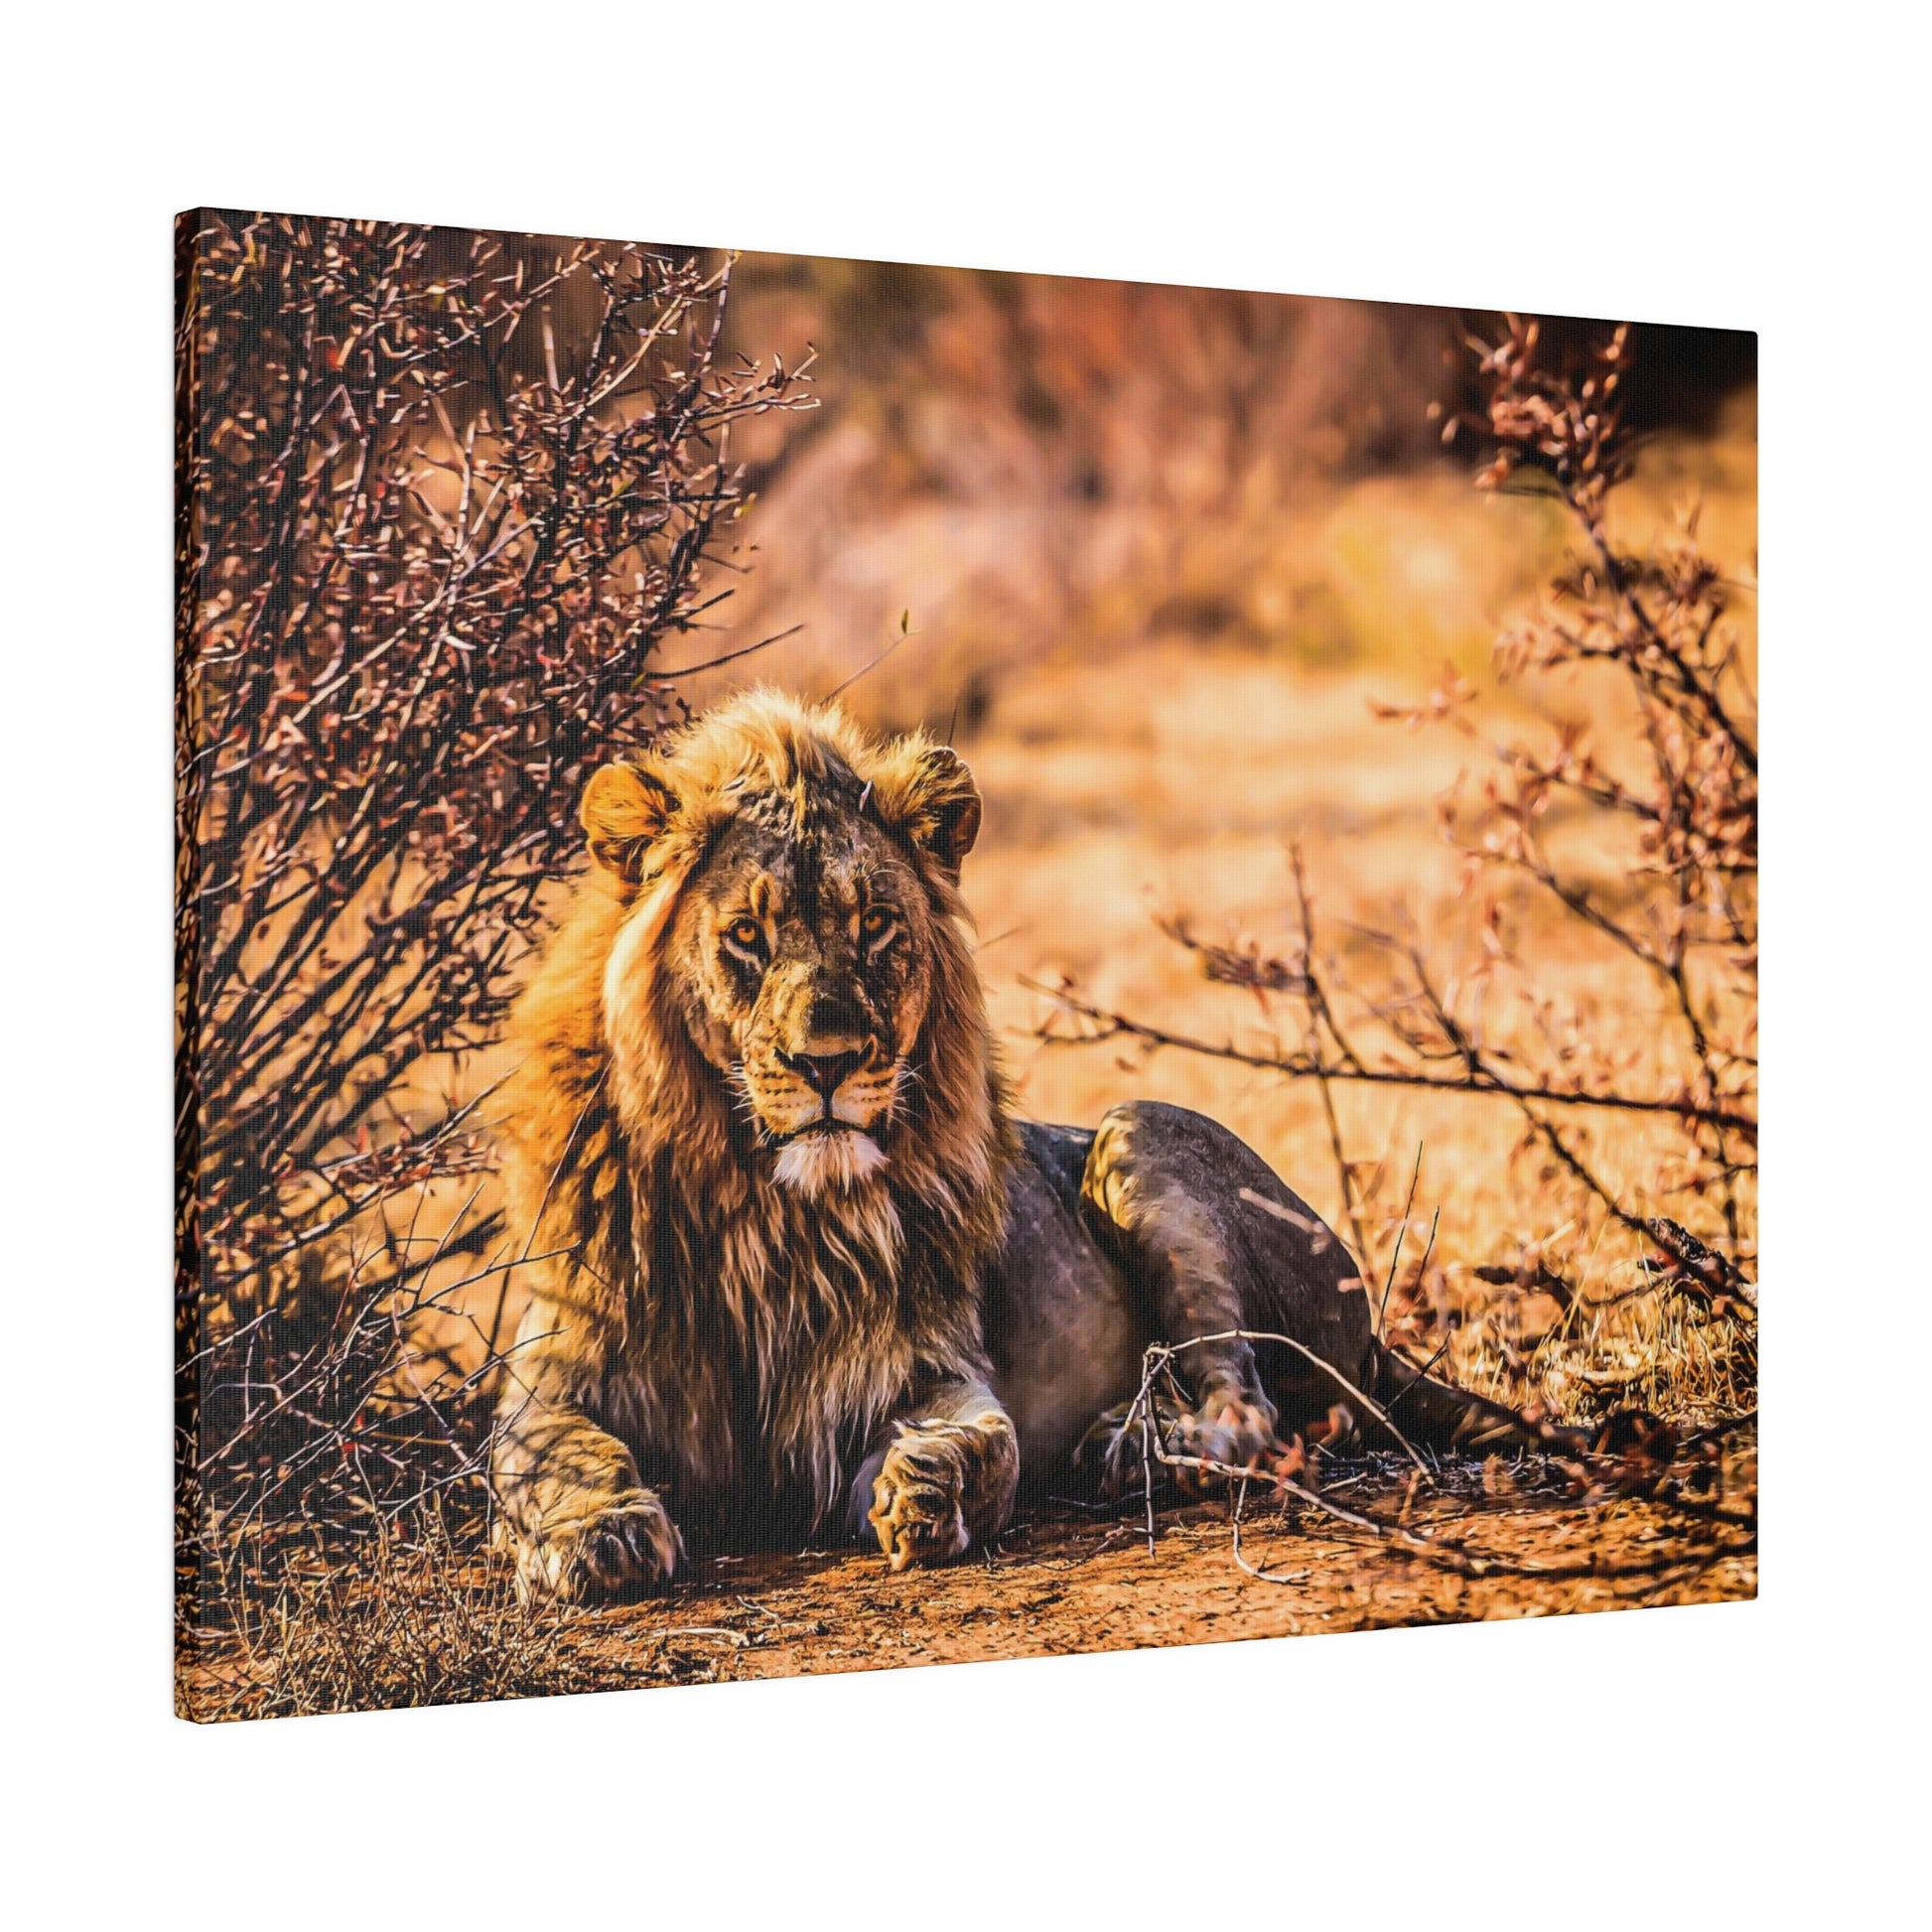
<point x="626" y="807"/>
<point x="928" y="795"/>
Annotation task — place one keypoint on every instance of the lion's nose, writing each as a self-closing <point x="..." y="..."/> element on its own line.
<point x="824" y="1072"/>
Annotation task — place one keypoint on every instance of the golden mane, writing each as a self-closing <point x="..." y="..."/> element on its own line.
<point x="747" y="1320"/>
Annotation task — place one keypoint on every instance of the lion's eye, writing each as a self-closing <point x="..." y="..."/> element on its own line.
<point x="876" y="926"/>
<point x="746" y="936"/>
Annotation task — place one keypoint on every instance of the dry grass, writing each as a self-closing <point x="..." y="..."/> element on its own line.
<point x="425" y="1622"/>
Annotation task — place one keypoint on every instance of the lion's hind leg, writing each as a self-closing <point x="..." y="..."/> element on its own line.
<point x="1215" y="1244"/>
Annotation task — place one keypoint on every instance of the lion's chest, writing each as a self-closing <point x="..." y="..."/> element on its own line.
<point x="775" y="1347"/>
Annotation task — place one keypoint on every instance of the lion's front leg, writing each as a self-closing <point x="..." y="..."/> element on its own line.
<point x="946" y="1478"/>
<point x="582" y="1521"/>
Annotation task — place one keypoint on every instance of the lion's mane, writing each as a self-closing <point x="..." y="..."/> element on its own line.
<point x="754" y="1334"/>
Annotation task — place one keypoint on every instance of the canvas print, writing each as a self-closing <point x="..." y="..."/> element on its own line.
<point x="885" y="964"/>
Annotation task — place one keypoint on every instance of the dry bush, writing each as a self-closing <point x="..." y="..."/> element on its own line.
<point x="427" y="553"/>
<point x="1628" y="849"/>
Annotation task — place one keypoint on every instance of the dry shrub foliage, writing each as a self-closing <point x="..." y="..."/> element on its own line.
<point x="413" y="1622"/>
<point x="428" y="548"/>
<point x="1670" y="801"/>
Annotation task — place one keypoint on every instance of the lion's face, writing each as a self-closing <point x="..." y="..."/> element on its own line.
<point x="802" y="958"/>
<point x="794" y="944"/>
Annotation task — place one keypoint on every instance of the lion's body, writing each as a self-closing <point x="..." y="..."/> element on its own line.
<point x="767" y="1328"/>
<point x="792" y="1254"/>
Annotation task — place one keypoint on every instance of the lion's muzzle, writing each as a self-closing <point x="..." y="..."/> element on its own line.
<point x="824" y="1073"/>
<point x="827" y="1115"/>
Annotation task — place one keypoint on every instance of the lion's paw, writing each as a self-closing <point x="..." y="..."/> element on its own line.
<point x="936" y="1477"/>
<point x="618" y="1547"/>
<point x="1230" y="1431"/>
<point x="919" y="1497"/>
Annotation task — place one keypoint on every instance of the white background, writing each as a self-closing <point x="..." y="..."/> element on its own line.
<point x="1690" y="164"/>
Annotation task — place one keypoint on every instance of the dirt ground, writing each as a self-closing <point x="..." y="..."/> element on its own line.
<point x="1066" y="1582"/>
<point x="1495" y="1540"/>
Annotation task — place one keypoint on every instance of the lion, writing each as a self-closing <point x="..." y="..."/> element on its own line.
<point x="795" y="1259"/>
